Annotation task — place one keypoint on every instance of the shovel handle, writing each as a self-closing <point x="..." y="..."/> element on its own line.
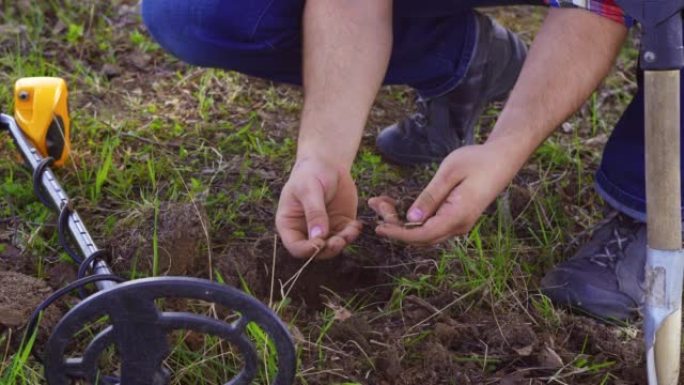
<point x="663" y="199"/>
<point x="663" y="191"/>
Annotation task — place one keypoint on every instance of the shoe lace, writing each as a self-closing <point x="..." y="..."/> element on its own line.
<point x="420" y="117"/>
<point x="612" y="251"/>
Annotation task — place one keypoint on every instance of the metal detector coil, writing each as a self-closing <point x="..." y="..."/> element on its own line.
<point x="140" y="332"/>
<point x="41" y="111"/>
<point x="137" y="328"/>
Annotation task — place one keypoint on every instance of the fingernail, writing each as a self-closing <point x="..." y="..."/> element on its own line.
<point x="315" y="232"/>
<point x="415" y="215"/>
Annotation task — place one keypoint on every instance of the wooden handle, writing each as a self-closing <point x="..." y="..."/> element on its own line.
<point x="663" y="199"/>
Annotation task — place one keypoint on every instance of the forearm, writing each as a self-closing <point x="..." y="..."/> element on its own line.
<point x="572" y="54"/>
<point x="347" y="45"/>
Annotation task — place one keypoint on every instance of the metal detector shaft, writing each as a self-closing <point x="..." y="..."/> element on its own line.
<point x="58" y="197"/>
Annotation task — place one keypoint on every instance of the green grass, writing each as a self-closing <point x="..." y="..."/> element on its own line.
<point x="16" y="369"/>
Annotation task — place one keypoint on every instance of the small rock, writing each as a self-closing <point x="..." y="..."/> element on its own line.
<point x="58" y="28"/>
<point x="341" y="313"/>
<point x="140" y="61"/>
<point x="525" y="351"/>
<point x="110" y="71"/>
<point x="548" y="358"/>
<point x="567" y="127"/>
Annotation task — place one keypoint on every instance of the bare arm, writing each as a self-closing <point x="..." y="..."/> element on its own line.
<point x="347" y="44"/>
<point x="571" y="55"/>
<point x="574" y="51"/>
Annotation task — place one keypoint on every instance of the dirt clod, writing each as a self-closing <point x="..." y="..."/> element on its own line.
<point x="389" y="364"/>
<point x="180" y="240"/>
<point x="60" y="274"/>
<point x="512" y="335"/>
<point x="12" y="258"/>
<point x="354" y="329"/>
<point x="19" y="297"/>
<point x="548" y="358"/>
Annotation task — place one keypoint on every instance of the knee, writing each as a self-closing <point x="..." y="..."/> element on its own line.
<point x="169" y="22"/>
<point x="219" y="33"/>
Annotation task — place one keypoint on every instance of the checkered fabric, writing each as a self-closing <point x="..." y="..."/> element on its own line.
<point x="606" y="8"/>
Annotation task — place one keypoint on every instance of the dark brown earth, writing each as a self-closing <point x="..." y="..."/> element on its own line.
<point x="181" y="240"/>
<point x="462" y="345"/>
<point x="475" y="346"/>
<point x="20" y="294"/>
<point x="458" y="346"/>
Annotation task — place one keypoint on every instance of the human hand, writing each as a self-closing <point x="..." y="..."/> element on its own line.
<point x="467" y="181"/>
<point x="317" y="210"/>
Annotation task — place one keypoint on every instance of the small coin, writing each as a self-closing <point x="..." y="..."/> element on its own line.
<point x="410" y="225"/>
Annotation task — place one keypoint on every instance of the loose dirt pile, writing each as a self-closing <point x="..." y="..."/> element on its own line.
<point x="19" y="297"/>
<point x="180" y="234"/>
<point x="366" y="271"/>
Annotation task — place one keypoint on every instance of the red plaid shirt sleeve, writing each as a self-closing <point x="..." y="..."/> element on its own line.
<point x="605" y="8"/>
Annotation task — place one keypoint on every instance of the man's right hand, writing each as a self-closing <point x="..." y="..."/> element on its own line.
<point x="347" y="47"/>
<point x="317" y="210"/>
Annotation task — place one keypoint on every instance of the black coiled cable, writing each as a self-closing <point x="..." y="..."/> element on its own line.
<point x="84" y="264"/>
<point x="62" y="224"/>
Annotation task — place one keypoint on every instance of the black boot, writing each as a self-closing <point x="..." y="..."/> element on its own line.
<point x="604" y="278"/>
<point x="445" y="123"/>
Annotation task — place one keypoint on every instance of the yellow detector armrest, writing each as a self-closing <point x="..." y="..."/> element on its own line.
<point x="41" y="111"/>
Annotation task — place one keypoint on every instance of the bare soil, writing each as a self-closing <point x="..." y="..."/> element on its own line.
<point x="20" y="294"/>
<point x="180" y="230"/>
<point x="452" y="344"/>
<point x="476" y="346"/>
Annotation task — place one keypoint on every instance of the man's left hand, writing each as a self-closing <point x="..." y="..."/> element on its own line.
<point x="467" y="181"/>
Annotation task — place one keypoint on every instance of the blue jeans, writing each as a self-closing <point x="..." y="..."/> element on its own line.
<point x="433" y="44"/>
<point x="621" y="178"/>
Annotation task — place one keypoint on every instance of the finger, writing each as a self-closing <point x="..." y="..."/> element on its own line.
<point x="417" y="236"/>
<point x="450" y="220"/>
<point x="313" y="202"/>
<point x="386" y="208"/>
<point x="434" y="194"/>
<point x="333" y="247"/>
<point x="336" y="243"/>
<point x="350" y="232"/>
<point x="298" y="244"/>
<point x="291" y="228"/>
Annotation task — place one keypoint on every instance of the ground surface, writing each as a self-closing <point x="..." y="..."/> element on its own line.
<point x="177" y="170"/>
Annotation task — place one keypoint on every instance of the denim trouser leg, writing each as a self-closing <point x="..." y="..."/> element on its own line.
<point x="621" y="180"/>
<point x="433" y="39"/>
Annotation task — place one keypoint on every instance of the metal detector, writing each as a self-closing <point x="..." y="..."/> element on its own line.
<point x="138" y="329"/>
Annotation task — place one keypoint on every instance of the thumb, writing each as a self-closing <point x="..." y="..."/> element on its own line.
<point x="313" y="201"/>
<point x="433" y="195"/>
